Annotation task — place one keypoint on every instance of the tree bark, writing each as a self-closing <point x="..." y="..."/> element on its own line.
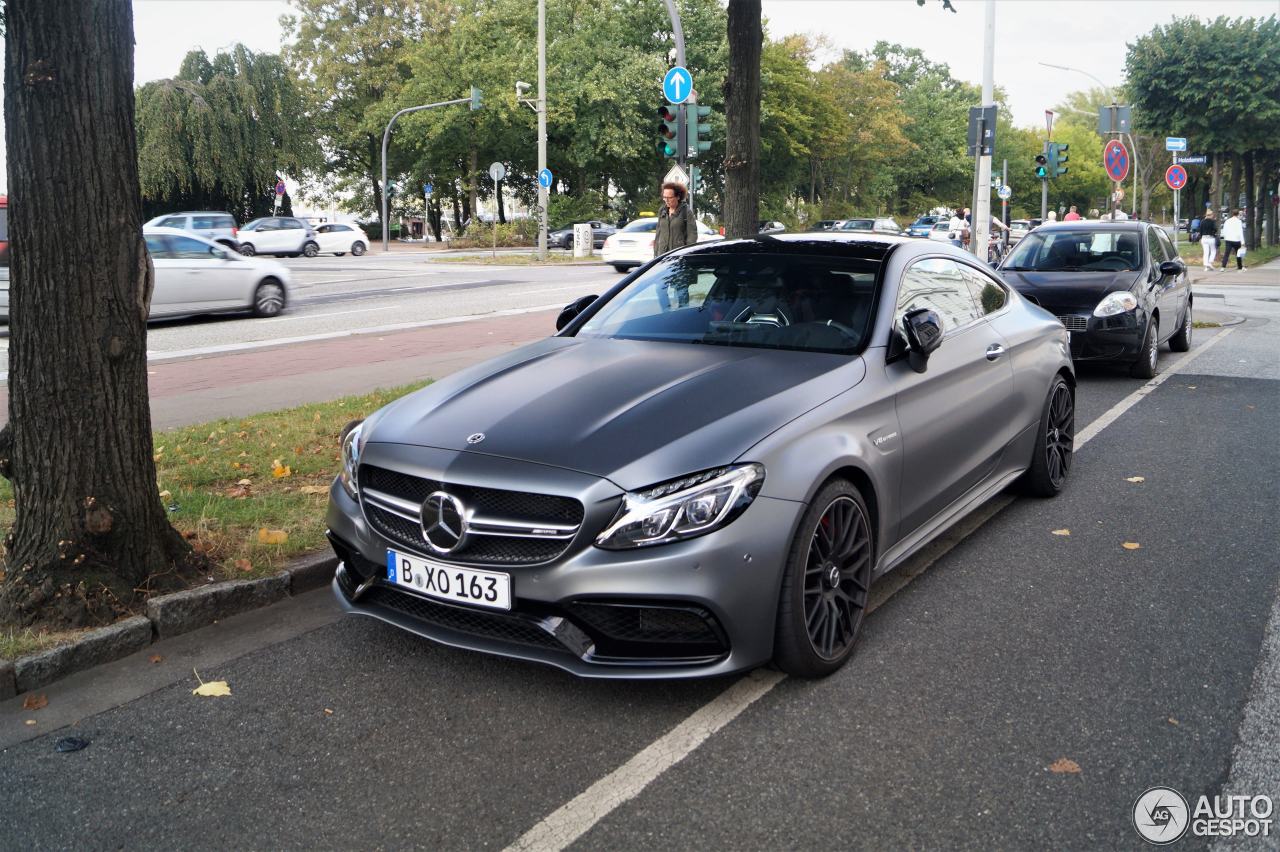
<point x="742" y="120"/>
<point x="90" y="526"/>
<point x="1251" y="209"/>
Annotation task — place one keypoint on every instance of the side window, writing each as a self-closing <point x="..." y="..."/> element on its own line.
<point x="205" y="223"/>
<point x="158" y="247"/>
<point x="937" y="284"/>
<point x="185" y="248"/>
<point x="174" y="222"/>
<point x="1169" y="251"/>
<point x="291" y="224"/>
<point x="987" y="294"/>
<point x="1154" y="247"/>
<point x="326" y="229"/>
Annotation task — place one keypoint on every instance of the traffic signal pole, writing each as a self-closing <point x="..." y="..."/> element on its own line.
<point x="542" y="129"/>
<point x="980" y="228"/>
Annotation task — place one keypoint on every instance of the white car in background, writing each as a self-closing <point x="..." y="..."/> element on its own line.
<point x="279" y="235"/>
<point x="339" y="238"/>
<point x="633" y="245"/>
<point x="941" y="231"/>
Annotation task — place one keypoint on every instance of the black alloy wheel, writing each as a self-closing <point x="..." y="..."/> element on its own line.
<point x="1145" y="366"/>
<point x="826" y="583"/>
<point x="269" y="298"/>
<point x="310" y="249"/>
<point x="1055" y="442"/>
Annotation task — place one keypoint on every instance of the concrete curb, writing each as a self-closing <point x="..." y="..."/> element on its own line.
<point x="166" y="616"/>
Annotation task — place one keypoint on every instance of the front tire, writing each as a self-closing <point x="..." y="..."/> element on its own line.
<point x="269" y="298"/>
<point x="1181" y="341"/>
<point x="357" y="249"/>
<point x="247" y="249"/>
<point x="1055" y="442"/>
<point x="825" y="584"/>
<point x="1145" y="366"/>
<point x="310" y="249"/>
<point x="620" y="268"/>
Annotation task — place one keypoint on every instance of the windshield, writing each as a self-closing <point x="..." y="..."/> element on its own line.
<point x="858" y="225"/>
<point x="806" y="302"/>
<point x="642" y="225"/>
<point x="253" y="226"/>
<point x="1077" y="251"/>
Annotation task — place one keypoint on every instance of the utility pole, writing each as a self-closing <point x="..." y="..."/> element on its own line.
<point x="981" y="225"/>
<point x="543" y="191"/>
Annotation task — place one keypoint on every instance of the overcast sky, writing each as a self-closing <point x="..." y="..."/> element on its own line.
<point x="1087" y="34"/>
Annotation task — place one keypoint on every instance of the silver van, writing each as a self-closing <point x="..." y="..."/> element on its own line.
<point x="211" y="224"/>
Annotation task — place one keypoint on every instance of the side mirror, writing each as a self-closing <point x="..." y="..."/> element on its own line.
<point x="924" y="335"/>
<point x="1172" y="267"/>
<point x="571" y="311"/>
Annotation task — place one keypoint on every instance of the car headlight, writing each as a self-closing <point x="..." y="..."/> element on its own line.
<point x="683" y="508"/>
<point x="1115" y="303"/>
<point x="351" y="445"/>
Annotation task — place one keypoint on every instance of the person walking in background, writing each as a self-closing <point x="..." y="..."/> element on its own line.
<point x="1209" y="239"/>
<point x="1053" y="216"/>
<point x="956" y="228"/>
<point x="1073" y="215"/>
<point x="676" y="225"/>
<point x="1232" y="239"/>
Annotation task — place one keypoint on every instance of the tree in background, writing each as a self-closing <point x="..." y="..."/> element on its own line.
<point x="1216" y="84"/>
<point x="742" y="120"/>
<point x="221" y="133"/>
<point x="90" y="527"/>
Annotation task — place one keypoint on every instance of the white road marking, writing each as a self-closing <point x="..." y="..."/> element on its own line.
<point x="578" y="816"/>
<point x="334" y="314"/>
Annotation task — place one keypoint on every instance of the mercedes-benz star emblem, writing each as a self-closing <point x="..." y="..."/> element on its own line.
<point x="444" y="522"/>
<point x="475" y="438"/>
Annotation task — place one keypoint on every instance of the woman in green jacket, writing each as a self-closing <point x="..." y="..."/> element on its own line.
<point x="676" y="225"/>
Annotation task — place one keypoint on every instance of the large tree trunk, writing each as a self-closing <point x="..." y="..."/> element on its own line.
<point x="1251" y="209"/>
<point x="90" y="527"/>
<point x="742" y="120"/>
<point x="473" y="181"/>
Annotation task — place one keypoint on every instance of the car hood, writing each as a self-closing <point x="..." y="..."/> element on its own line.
<point x="635" y="412"/>
<point x="1070" y="291"/>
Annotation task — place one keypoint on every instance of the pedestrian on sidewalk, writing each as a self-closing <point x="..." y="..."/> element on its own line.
<point x="1233" y="239"/>
<point x="1209" y="239"/>
<point x="1073" y="215"/>
<point x="956" y="228"/>
<point x="676" y="225"/>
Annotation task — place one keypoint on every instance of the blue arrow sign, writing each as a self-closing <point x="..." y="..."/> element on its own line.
<point x="544" y="178"/>
<point x="1175" y="143"/>
<point x="677" y="85"/>
<point x="428" y="188"/>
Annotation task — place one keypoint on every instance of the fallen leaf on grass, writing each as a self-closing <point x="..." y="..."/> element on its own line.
<point x="212" y="689"/>
<point x="35" y="702"/>
<point x="314" y="489"/>
<point x="244" y="564"/>
<point x="266" y="536"/>
<point x="1063" y="531"/>
<point x="1135" y="479"/>
<point x="155" y="658"/>
<point x="238" y="492"/>
<point x="245" y="482"/>
<point x="279" y="470"/>
<point x="1064" y="766"/>
<point x="1131" y="545"/>
<point x="165" y="495"/>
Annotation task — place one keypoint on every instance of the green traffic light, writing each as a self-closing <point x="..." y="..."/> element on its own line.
<point x="1042" y="166"/>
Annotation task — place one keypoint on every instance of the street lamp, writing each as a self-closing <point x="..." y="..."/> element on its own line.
<point x="1111" y="97"/>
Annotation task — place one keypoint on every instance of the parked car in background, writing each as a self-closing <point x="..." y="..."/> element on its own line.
<point x="826" y="404"/>
<point x="941" y="231"/>
<point x="562" y="237"/>
<point x="1018" y="228"/>
<point x="633" y="245"/>
<point x="922" y="226"/>
<point x="211" y="224"/>
<point x="340" y="238"/>
<point x="198" y="276"/>
<point x="769" y="228"/>
<point x="882" y="225"/>
<point x="825" y="225"/>
<point x="283" y="236"/>
<point x="1118" y="287"/>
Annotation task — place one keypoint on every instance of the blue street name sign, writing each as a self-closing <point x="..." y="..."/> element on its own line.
<point x="1197" y="160"/>
<point x="677" y="85"/>
<point x="1175" y="143"/>
<point x="428" y="188"/>
<point x="544" y="178"/>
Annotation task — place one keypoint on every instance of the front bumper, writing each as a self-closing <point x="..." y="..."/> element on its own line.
<point x="1114" y="338"/>
<point x="701" y="607"/>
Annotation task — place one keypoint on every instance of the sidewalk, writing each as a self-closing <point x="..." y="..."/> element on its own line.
<point x="243" y="383"/>
<point x="1268" y="273"/>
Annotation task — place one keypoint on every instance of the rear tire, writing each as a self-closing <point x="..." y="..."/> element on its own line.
<point x="247" y="249"/>
<point x="1055" y="443"/>
<point x="358" y="249"/>
<point x="268" y="298"/>
<point x="621" y="269"/>
<point x="310" y="249"/>
<point x="1145" y="366"/>
<point x="1181" y="341"/>
<point x="823" y="600"/>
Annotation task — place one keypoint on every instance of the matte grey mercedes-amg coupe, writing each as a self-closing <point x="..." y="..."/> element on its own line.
<point x="707" y="466"/>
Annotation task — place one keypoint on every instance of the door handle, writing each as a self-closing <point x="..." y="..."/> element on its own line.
<point x="994" y="351"/>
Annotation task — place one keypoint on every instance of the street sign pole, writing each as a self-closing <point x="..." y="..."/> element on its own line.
<point x="386" y="136"/>
<point x="542" y="128"/>
<point x="1004" y="202"/>
<point x="1177" y="197"/>
<point x="981" y="226"/>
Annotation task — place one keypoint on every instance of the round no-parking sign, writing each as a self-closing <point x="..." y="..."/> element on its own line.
<point x="1115" y="157"/>
<point x="1176" y="177"/>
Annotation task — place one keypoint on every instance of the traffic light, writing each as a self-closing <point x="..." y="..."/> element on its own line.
<point x="699" y="136"/>
<point x="1058" y="159"/>
<point x="670" y="131"/>
<point x="1042" y="167"/>
<point x="475" y="98"/>
<point x="696" y="184"/>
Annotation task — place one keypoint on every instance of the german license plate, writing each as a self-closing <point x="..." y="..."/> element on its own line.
<point x="449" y="582"/>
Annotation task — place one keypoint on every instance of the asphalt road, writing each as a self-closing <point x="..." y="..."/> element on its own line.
<point x="1016" y="649"/>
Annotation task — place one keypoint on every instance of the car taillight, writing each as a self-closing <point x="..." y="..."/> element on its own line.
<point x="234" y="230"/>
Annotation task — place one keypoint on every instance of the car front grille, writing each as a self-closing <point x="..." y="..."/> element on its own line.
<point x="507" y="527"/>
<point x="490" y="625"/>
<point x="1075" y="323"/>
